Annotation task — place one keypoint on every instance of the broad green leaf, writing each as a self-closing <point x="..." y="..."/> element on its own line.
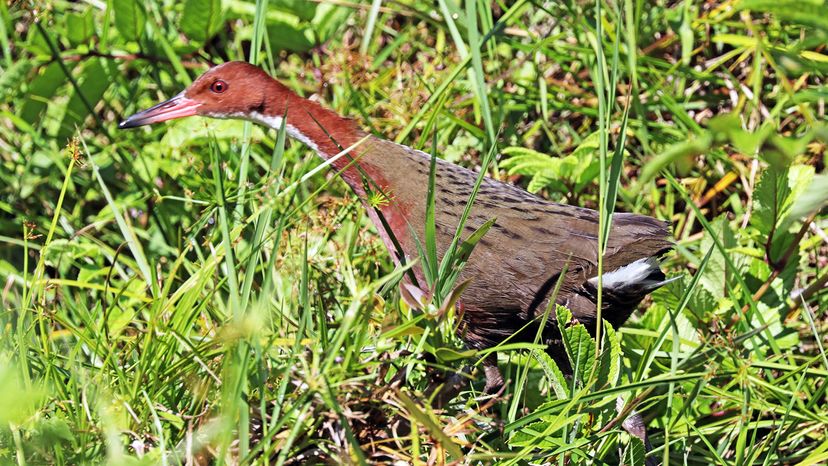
<point x="303" y="9"/>
<point x="447" y="355"/>
<point x="130" y="18"/>
<point x="17" y="402"/>
<point x="791" y="147"/>
<point x="750" y="143"/>
<point x="93" y="81"/>
<point x="725" y="124"/>
<point x="690" y="148"/>
<point x="290" y="36"/>
<point x="80" y="27"/>
<point x="804" y="12"/>
<point x="51" y="431"/>
<point x="200" y="19"/>
<point x="811" y="199"/>
<point x="68" y="250"/>
<point x="40" y="92"/>
<point x="770" y="194"/>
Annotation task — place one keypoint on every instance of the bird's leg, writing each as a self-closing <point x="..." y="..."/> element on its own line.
<point x="450" y="387"/>
<point x="634" y="425"/>
<point x="494" y="379"/>
<point x="447" y="388"/>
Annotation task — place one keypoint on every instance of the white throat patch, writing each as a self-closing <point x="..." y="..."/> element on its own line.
<point x="275" y="122"/>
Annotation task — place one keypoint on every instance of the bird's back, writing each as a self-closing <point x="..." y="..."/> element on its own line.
<point x="517" y="264"/>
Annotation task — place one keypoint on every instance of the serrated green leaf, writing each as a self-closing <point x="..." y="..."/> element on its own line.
<point x="715" y="277"/>
<point x="610" y="361"/>
<point x="770" y="194"/>
<point x="130" y="18"/>
<point x="200" y="19"/>
<point x="524" y="161"/>
<point x="563" y="316"/>
<point x="775" y="194"/>
<point x="580" y="348"/>
<point x="553" y="374"/>
<point x="634" y="453"/>
<point x="545" y="180"/>
<point x="547" y="170"/>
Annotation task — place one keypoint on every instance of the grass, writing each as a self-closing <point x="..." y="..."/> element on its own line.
<point x="195" y="292"/>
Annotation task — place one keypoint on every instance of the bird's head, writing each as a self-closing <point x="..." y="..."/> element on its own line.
<point x="232" y="90"/>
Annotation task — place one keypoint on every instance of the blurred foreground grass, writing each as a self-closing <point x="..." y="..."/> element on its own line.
<point x="166" y="299"/>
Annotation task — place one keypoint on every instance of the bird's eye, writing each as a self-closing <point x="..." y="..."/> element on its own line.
<point x="218" y="86"/>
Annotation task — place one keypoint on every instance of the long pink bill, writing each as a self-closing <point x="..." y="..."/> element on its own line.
<point x="177" y="107"/>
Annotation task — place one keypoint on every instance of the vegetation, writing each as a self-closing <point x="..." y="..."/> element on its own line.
<point x="183" y="294"/>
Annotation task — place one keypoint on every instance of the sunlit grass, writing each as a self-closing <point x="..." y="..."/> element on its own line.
<point x="199" y="292"/>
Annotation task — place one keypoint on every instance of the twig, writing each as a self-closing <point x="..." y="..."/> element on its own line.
<point x="796" y="301"/>
<point x="779" y="266"/>
<point x="127" y="57"/>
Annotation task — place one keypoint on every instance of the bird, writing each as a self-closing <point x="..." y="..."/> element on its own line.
<point x="533" y="247"/>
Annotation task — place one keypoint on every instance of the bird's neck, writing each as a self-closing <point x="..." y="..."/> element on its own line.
<point x="324" y="131"/>
<point x="373" y="168"/>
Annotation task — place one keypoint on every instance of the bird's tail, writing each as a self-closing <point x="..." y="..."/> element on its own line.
<point x="635" y="279"/>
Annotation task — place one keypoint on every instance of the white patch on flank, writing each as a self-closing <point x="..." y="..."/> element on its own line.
<point x="635" y="273"/>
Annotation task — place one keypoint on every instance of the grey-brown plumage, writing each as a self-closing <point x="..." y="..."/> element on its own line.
<point x="514" y="267"/>
<point x="517" y="264"/>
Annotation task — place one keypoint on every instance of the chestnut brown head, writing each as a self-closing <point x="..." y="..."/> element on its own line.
<point x="232" y="90"/>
